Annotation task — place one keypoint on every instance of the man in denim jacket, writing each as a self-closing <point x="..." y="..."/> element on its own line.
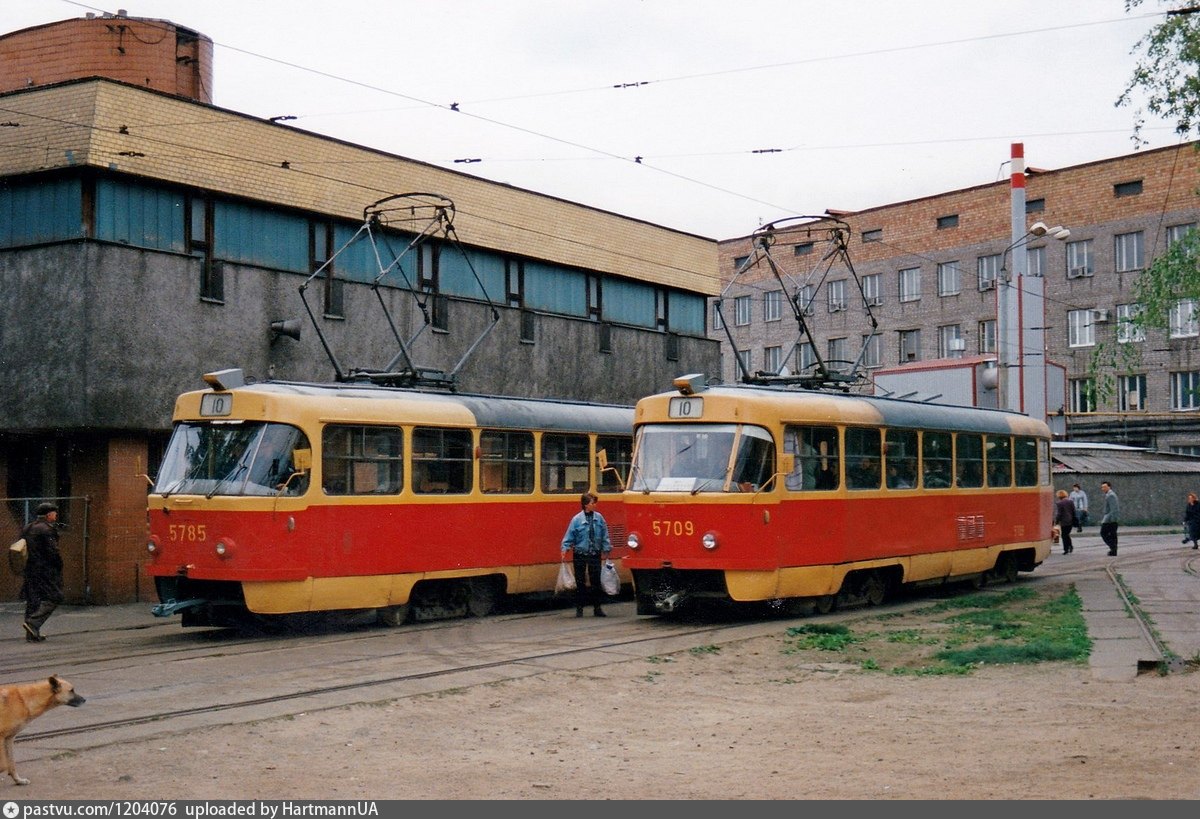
<point x="587" y="536"/>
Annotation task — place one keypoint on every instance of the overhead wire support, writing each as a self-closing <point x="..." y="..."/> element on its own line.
<point x="836" y="234"/>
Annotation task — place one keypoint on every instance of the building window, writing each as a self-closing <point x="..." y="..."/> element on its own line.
<point x="910" y="284"/>
<point x="717" y="324"/>
<point x="950" y="341"/>
<point x="1126" y="331"/>
<point x="806" y="356"/>
<point x="1131" y="393"/>
<point x="835" y="294"/>
<point x="873" y="351"/>
<point x="944" y="222"/>
<point x="987" y="336"/>
<point x="772" y="359"/>
<point x="1079" y="259"/>
<point x="949" y="279"/>
<point x="1035" y="261"/>
<point x="772" y="300"/>
<point x="739" y="261"/>
<point x="1127" y="249"/>
<point x="1035" y="205"/>
<point x="1182" y="319"/>
<point x="1177" y="232"/>
<point x="1081" y="331"/>
<point x="875" y="235"/>
<point x="873" y="289"/>
<point x="839" y="354"/>
<point x="803" y="249"/>
<point x="1081" y="395"/>
<point x="804" y="299"/>
<point x="744" y="358"/>
<point x="910" y="345"/>
<point x="988" y="268"/>
<point x="1185" y="449"/>
<point x="1127" y="188"/>
<point x="741" y="311"/>
<point x="1185" y="390"/>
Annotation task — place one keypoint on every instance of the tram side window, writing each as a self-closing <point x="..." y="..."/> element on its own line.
<point x="818" y="462"/>
<point x="442" y="463"/>
<point x="362" y="460"/>
<point x="618" y="450"/>
<point x="999" y="460"/>
<point x="937" y="456"/>
<point x="968" y="461"/>
<point x="505" y="462"/>
<point x="901" y="458"/>
<point x="1025" y="457"/>
<point x="754" y="462"/>
<point x="862" y="458"/>
<point x="565" y="464"/>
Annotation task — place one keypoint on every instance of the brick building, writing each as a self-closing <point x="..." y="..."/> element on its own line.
<point x="929" y="267"/>
<point x="147" y="237"/>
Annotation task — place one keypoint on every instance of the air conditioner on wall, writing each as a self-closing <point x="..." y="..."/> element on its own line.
<point x="956" y="344"/>
<point x="1077" y="272"/>
<point x="836" y="308"/>
<point x="990" y="284"/>
<point x="1099" y="316"/>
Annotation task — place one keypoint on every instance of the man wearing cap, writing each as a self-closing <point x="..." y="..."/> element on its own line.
<point x="43" y="586"/>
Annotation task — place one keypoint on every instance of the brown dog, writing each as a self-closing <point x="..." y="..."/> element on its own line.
<point x="20" y="704"/>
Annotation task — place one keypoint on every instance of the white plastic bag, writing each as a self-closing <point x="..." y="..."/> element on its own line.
<point x="609" y="581"/>
<point x="566" y="578"/>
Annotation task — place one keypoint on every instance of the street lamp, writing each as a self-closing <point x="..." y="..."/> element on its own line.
<point x="1037" y="229"/>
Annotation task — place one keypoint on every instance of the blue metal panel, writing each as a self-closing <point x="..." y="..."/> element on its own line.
<point x="555" y="289"/>
<point x="686" y="312"/>
<point x="627" y="302"/>
<point x="32" y="213"/>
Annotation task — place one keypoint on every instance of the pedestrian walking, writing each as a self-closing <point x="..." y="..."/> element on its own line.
<point x="1191" y="520"/>
<point x="1111" y="518"/>
<point x="42" y="587"/>
<point x="587" y="538"/>
<point x="1064" y="519"/>
<point x="1080" y="499"/>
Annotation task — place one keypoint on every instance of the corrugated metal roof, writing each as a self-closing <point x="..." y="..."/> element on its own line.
<point x="1100" y="462"/>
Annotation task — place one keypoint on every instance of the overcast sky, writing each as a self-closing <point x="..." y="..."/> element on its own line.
<point x="742" y="112"/>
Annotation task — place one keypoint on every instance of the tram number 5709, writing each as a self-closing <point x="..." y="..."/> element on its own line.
<point x="672" y="527"/>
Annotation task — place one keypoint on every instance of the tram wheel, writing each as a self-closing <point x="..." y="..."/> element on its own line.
<point x="825" y="603"/>
<point x="482" y="596"/>
<point x="1008" y="568"/>
<point x="874" y="589"/>
<point x="392" y="616"/>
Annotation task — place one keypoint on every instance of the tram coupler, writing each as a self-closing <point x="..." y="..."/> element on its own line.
<point x="670" y="603"/>
<point x="172" y="607"/>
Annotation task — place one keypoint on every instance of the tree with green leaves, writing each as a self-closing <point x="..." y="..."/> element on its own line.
<point x="1168" y="290"/>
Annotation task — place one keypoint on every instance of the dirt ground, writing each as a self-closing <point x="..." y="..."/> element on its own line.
<point x="748" y="720"/>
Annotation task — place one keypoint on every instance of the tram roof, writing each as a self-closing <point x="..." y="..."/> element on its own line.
<point x="487" y="410"/>
<point x="814" y="405"/>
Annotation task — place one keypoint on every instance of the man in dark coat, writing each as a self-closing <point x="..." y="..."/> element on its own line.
<point x="43" y="586"/>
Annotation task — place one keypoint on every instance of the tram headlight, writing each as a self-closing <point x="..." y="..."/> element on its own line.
<point x="709" y="541"/>
<point x="634" y="542"/>
<point x="152" y="546"/>
<point x="224" y="547"/>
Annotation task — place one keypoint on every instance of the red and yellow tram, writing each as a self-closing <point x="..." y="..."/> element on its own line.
<point x="278" y="498"/>
<point x="765" y="493"/>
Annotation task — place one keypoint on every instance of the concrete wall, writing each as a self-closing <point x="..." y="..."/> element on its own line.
<point x="1146" y="499"/>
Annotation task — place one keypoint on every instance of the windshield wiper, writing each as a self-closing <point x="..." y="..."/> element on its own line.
<point x="241" y="468"/>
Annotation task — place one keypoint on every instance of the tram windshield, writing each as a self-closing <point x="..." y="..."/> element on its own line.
<point x="233" y="458"/>
<point x="701" y="458"/>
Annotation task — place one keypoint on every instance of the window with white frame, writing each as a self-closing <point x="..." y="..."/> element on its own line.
<point x="1185" y="390"/>
<point x="872" y="288"/>
<point x="987" y="336"/>
<point x="772" y="305"/>
<point x="1081" y="395"/>
<point x="772" y="359"/>
<point x="1127" y="250"/>
<point x="910" y="345"/>
<point x="1079" y="259"/>
<point x="744" y="358"/>
<point x="910" y="284"/>
<point x="806" y="356"/>
<point x="1185" y="449"/>
<point x="1081" y="331"/>
<point x="950" y="341"/>
<point x="1035" y="261"/>
<point x="949" y="279"/>
<point x="988" y="269"/>
<point x="1131" y="393"/>
<point x="838" y="356"/>
<point x="717" y="324"/>
<point x="1182" y="319"/>
<point x="804" y="299"/>
<point x="835" y="294"/>
<point x="873" y="350"/>
<point x="1127" y="331"/>
<point x="741" y="311"/>
<point x="1177" y="232"/>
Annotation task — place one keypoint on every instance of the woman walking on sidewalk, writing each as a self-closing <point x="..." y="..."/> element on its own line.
<point x="1191" y="521"/>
